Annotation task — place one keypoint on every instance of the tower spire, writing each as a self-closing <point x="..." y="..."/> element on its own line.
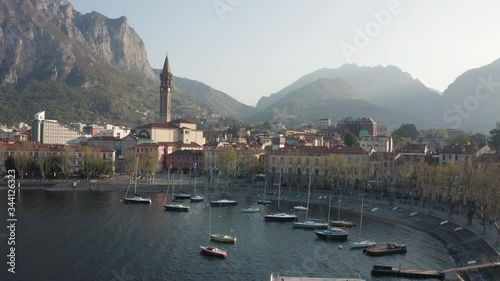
<point x="165" y="92"/>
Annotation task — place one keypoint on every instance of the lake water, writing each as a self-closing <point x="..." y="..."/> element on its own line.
<point x="94" y="236"/>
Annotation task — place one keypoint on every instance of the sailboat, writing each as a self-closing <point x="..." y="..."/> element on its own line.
<point x="310" y="224"/>
<point x="280" y="217"/>
<point x="174" y="207"/>
<point x="362" y="243"/>
<point x="264" y="201"/>
<point x="221" y="237"/>
<point x="212" y="250"/>
<point x="338" y="222"/>
<point x="196" y="198"/>
<point x="137" y="198"/>
<point x="331" y="233"/>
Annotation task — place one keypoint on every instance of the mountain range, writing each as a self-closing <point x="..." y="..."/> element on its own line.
<point x="87" y="67"/>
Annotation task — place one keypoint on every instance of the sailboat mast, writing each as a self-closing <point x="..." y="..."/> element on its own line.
<point x="279" y="191"/>
<point x="340" y="199"/>
<point x="308" y="196"/>
<point x="136" y="168"/>
<point x="361" y="219"/>
<point x="209" y="222"/>
<point x="329" y="209"/>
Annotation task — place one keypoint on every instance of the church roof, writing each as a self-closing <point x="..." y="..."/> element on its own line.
<point x="182" y="121"/>
<point x="158" y="125"/>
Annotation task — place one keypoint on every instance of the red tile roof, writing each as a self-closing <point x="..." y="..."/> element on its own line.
<point x="322" y="150"/>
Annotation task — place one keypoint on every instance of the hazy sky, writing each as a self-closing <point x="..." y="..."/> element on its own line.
<point x="252" y="48"/>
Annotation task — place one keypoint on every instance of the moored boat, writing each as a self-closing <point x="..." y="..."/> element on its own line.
<point x="176" y="207"/>
<point x="264" y="202"/>
<point x="383" y="270"/>
<point x="279" y="277"/>
<point x="182" y="196"/>
<point x="310" y="224"/>
<point x="250" y="210"/>
<point x="300" y="208"/>
<point x="223" y="238"/>
<point x="213" y="251"/>
<point x="223" y="203"/>
<point x="332" y="233"/>
<point x="197" y="198"/>
<point x="137" y="199"/>
<point x="389" y="249"/>
<point x="363" y="244"/>
<point x="340" y="223"/>
<point x="280" y="217"/>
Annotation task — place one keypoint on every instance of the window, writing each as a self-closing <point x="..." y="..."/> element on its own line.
<point x="444" y="157"/>
<point x="456" y="157"/>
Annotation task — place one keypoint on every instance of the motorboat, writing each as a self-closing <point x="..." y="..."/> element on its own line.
<point x="213" y="251"/>
<point x="363" y="244"/>
<point x="223" y="203"/>
<point x="389" y="249"/>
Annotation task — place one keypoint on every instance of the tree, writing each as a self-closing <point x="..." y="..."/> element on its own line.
<point x="67" y="161"/>
<point x="449" y="185"/>
<point x="484" y="194"/>
<point x="495" y="139"/>
<point x="350" y="139"/>
<point x="91" y="162"/>
<point x="409" y="171"/>
<point x="427" y="183"/>
<point x="45" y="161"/>
<point x="407" y="130"/>
<point x="462" y="139"/>
<point x="336" y="169"/>
<point x="130" y="164"/>
<point x="149" y="164"/>
<point x="23" y="159"/>
<point x="227" y="161"/>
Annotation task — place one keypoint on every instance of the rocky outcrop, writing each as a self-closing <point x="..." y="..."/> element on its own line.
<point x="50" y="41"/>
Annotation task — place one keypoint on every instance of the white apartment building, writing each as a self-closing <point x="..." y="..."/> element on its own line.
<point x="379" y="143"/>
<point x="54" y="132"/>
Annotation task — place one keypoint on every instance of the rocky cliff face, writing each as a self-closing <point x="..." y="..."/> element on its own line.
<point x="49" y="40"/>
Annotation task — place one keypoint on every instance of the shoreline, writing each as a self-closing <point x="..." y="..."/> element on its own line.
<point x="393" y="212"/>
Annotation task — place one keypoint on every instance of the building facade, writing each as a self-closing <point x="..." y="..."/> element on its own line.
<point x="53" y="132"/>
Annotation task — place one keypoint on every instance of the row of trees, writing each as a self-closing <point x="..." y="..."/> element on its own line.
<point x="46" y="162"/>
<point x="474" y="184"/>
<point x="141" y="165"/>
<point x="454" y="184"/>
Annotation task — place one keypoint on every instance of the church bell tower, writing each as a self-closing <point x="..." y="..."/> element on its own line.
<point x="165" y="92"/>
